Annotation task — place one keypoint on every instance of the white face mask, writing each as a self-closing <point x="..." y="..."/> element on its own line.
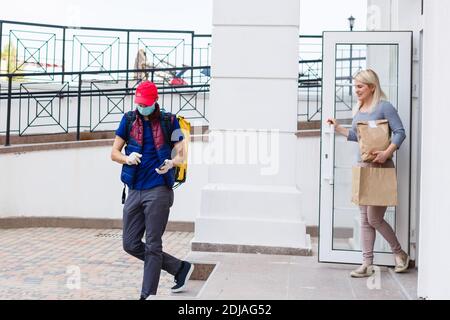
<point x="146" y="111"/>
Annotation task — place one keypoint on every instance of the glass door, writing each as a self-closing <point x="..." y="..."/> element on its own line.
<point x="389" y="54"/>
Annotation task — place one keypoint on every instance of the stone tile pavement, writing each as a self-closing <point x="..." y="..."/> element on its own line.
<point x="44" y="264"/>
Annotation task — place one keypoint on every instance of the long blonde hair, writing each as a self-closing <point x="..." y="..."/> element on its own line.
<point x="370" y="78"/>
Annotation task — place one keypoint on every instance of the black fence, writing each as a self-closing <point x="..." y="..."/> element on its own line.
<point x="349" y="61"/>
<point x="62" y="110"/>
<point x="52" y="48"/>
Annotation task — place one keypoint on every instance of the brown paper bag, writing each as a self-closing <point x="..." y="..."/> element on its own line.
<point x="372" y="136"/>
<point x="372" y="186"/>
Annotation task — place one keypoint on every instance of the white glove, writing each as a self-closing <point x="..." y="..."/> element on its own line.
<point x="134" y="159"/>
<point x="168" y="164"/>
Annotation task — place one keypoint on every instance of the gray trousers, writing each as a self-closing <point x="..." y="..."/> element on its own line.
<point x="148" y="211"/>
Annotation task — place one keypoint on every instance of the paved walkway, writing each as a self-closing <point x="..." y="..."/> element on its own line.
<point x="46" y="263"/>
<point x="273" y="277"/>
<point x="43" y="263"/>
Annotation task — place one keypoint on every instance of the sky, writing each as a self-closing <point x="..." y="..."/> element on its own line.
<point x="328" y="15"/>
<point x="192" y="15"/>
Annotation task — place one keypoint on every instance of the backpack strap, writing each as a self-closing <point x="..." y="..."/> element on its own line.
<point x="131" y="117"/>
<point x="124" y="193"/>
<point x="166" y="125"/>
<point x="167" y="128"/>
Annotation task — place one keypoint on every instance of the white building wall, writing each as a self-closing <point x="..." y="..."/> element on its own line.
<point x="429" y="200"/>
<point x="435" y="203"/>
<point x="67" y="183"/>
<point x="400" y="15"/>
<point x="85" y="183"/>
<point x="81" y="183"/>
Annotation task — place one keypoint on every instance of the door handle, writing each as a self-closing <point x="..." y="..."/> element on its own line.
<point x="330" y="155"/>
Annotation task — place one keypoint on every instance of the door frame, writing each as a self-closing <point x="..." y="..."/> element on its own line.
<point x="330" y="40"/>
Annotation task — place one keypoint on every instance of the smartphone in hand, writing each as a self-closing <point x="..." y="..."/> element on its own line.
<point x="162" y="165"/>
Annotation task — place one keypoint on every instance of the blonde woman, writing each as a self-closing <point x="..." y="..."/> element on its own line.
<point x="372" y="105"/>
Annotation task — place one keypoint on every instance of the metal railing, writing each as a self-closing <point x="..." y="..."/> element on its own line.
<point x="309" y="77"/>
<point x="104" y="65"/>
<point x="55" y="48"/>
<point x="349" y="61"/>
<point x="52" y="108"/>
<point x="53" y="70"/>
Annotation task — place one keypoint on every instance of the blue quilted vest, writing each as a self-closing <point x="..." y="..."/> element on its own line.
<point x="161" y="131"/>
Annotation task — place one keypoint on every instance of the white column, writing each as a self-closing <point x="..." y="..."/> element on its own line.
<point x="251" y="198"/>
<point x="434" y="239"/>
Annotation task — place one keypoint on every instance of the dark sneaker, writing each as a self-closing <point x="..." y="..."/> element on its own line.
<point x="182" y="277"/>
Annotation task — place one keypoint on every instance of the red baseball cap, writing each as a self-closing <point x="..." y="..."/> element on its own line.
<point x="146" y="93"/>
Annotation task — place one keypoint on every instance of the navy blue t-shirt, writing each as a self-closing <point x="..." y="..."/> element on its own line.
<point x="146" y="176"/>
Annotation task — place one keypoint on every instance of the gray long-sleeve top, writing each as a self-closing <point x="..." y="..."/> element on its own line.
<point x="384" y="110"/>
